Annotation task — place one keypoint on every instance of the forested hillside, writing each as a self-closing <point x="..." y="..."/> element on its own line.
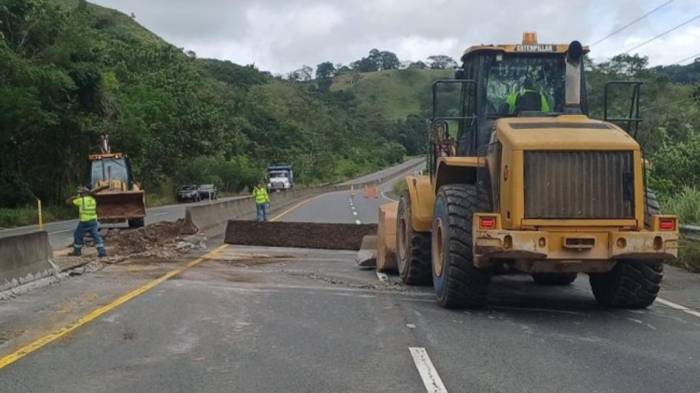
<point x="71" y="71"/>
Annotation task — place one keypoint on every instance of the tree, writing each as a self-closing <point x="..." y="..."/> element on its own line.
<point x="388" y="61"/>
<point x="418" y="65"/>
<point x="324" y="75"/>
<point x="441" y="62"/>
<point x="625" y="64"/>
<point x="303" y="74"/>
<point x="377" y="60"/>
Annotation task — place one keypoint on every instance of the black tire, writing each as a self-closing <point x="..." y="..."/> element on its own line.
<point x="652" y="207"/>
<point x="554" y="279"/>
<point x="628" y="284"/>
<point x="457" y="282"/>
<point x="136" y="223"/>
<point x="412" y="248"/>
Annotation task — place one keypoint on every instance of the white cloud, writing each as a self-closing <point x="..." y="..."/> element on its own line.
<point x="281" y="35"/>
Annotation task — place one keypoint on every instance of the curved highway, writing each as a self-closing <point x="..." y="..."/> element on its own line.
<point x="253" y="319"/>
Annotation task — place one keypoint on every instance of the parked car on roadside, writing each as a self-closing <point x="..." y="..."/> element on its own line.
<point x="208" y="191"/>
<point x="188" y="193"/>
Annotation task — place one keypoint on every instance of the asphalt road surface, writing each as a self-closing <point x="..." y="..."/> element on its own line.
<point x="253" y="319"/>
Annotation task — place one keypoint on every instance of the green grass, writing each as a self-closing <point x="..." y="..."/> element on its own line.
<point x="116" y="22"/>
<point x="398" y="92"/>
<point x="685" y="204"/>
<point x="29" y="216"/>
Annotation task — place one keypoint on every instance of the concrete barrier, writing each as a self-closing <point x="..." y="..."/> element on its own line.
<point x="24" y="258"/>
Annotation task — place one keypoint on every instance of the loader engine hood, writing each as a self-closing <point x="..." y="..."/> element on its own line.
<point x="566" y="132"/>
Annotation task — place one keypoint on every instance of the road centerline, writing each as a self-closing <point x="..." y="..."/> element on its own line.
<point x="428" y="374"/>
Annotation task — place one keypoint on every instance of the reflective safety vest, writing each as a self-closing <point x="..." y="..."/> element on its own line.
<point x="87" y="208"/>
<point x="512" y="99"/>
<point x="260" y="195"/>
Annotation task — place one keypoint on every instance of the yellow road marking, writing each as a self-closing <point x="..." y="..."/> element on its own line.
<point x="55" y="335"/>
<point x="298" y="205"/>
<point x="65" y="330"/>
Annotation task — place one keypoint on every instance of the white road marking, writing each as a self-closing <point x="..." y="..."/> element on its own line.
<point x="428" y="373"/>
<point x="354" y="213"/>
<point x="678" y="307"/>
<point x="410" y="325"/>
<point x="358" y="222"/>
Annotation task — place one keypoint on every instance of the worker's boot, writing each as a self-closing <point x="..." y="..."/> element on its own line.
<point x="76" y="252"/>
<point x="101" y="252"/>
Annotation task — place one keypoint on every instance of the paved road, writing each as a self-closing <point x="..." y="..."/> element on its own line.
<point x="61" y="232"/>
<point x="252" y="319"/>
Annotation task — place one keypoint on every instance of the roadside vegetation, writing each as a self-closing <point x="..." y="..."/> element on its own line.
<point x="71" y="71"/>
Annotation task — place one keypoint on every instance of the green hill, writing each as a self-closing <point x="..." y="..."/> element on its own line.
<point x="397" y="93"/>
<point x="73" y="71"/>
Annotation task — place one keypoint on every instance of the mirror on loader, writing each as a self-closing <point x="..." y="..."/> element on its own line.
<point x="616" y="108"/>
<point x="454" y="111"/>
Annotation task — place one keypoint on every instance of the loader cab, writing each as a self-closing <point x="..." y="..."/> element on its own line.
<point x="512" y="81"/>
<point x="113" y="170"/>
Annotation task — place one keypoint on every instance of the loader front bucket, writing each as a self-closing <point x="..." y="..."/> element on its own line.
<point x="120" y="206"/>
<point x="298" y="234"/>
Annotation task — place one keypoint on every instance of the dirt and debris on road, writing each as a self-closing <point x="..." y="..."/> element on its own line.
<point x="162" y="240"/>
<point x="145" y="238"/>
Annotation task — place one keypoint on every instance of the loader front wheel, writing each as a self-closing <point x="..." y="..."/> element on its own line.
<point x="628" y="284"/>
<point x="412" y="247"/>
<point x="457" y="282"/>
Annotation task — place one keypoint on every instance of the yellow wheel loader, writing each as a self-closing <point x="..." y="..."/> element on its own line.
<point x="119" y="198"/>
<point x="521" y="179"/>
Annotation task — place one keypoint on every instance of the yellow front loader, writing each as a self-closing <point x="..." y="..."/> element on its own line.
<point x="119" y="199"/>
<point x="522" y="180"/>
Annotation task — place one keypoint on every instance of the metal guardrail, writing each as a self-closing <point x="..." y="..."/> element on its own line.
<point x="691" y="232"/>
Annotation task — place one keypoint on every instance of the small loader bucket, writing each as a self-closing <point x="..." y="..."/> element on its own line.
<point x="120" y="206"/>
<point x="298" y="234"/>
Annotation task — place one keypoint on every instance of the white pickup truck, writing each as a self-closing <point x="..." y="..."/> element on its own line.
<point x="280" y="178"/>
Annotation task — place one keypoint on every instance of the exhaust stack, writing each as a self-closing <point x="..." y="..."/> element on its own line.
<point x="574" y="68"/>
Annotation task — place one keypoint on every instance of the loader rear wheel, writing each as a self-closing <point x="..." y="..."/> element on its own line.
<point x="412" y="248"/>
<point x="458" y="283"/>
<point x="136" y="223"/>
<point x="554" y="279"/>
<point x="628" y="284"/>
<point x="653" y="207"/>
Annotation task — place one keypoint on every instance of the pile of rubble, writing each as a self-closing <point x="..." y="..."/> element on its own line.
<point x="163" y="240"/>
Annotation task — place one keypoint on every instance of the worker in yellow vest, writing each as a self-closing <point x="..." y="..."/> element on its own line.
<point x="87" y="213"/>
<point x="262" y="201"/>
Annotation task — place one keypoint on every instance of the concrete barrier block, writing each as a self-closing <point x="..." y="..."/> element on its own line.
<point x="386" y="237"/>
<point x="24" y="258"/>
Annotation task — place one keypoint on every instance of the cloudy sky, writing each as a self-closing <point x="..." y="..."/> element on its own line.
<point x="281" y="35"/>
